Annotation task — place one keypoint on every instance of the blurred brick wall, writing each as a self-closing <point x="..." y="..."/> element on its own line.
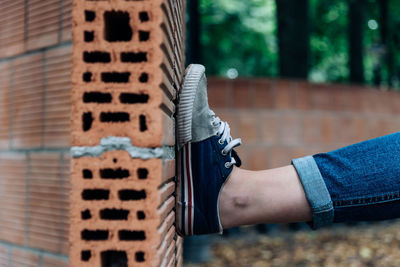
<point x="35" y="64"/>
<point x="281" y="119"/>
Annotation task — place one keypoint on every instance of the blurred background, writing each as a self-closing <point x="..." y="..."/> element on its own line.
<point x="294" y="78"/>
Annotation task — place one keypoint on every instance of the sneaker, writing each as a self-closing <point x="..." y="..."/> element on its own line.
<point x="205" y="157"/>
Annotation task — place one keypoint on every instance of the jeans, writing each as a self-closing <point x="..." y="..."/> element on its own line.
<point x="360" y="182"/>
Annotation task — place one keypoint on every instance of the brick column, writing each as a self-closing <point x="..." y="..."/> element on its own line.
<point x="128" y="61"/>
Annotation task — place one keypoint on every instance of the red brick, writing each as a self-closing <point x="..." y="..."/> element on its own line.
<point x="263" y="93"/>
<point x="13" y="198"/>
<point x="379" y="127"/>
<point x="269" y="127"/>
<point x="48" y="207"/>
<point x="48" y="261"/>
<point x="328" y="127"/>
<point x="290" y="128"/>
<point x="302" y="95"/>
<point x="12" y="13"/>
<point x="57" y="130"/>
<point x="5" y="107"/>
<point x="284" y="94"/>
<point x="248" y="123"/>
<point x="231" y="117"/>
<point x="43" y="21"/>
<point x="28" y="102"/>
<point x="242" y="94"/>
<point x="321" y="96"/>
<point x="66" y="20"/>
<point x="258" y="158"/>
<point x="4" y="255"/>
<point x="218" y="93"/>
<point x="26" y="258"/>
<point x="343" y="98"/>
<point x="278" y="156"/>
<point x="311" y="125"/>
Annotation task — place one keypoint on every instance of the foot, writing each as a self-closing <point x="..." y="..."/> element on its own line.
<point x="205" y="158"/>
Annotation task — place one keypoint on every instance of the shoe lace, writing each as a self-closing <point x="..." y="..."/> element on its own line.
<point x="224" y="131"/>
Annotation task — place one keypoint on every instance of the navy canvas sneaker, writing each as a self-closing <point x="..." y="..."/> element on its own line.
<point x="205" y="157"/>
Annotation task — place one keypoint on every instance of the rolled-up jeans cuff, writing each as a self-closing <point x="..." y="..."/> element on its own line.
<point x="316" y="192"/>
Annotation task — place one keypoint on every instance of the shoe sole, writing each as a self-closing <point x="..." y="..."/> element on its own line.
<point x="185" y="201"/>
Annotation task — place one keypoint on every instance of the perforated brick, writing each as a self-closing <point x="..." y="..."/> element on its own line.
<point x="128" y="62"/>
<point x="127" y="66"/>
<point x="124" y="203"/>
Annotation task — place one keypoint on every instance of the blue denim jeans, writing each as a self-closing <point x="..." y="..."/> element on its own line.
<point x="360" y="182"/>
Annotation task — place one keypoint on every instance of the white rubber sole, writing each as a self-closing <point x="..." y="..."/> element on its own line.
<point x="184" y="193"/>
<point x="193" y="75"/>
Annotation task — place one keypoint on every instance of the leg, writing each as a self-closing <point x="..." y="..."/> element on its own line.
<point x="270" y="196"/>
<point x="356" y="183"/>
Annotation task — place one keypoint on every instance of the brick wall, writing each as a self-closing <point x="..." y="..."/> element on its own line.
<point x="277" y="120"/>
<point x="281" y="119"/>
<point x="35" y="64"/>
<point x="127" y="67"/>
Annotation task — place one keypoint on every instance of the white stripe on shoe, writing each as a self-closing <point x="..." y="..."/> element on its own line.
<point x="188" y="190"/>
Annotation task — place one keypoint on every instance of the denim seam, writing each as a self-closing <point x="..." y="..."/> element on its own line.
<point x="335" y="203"/>
<point x="316" y="192"/>
<point x="326" y="207"/>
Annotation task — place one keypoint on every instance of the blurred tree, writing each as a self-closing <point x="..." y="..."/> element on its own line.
<point x="193" y="52"/>
<point x="356" y="46"/>
<point x="239" y="37"/>
<point x="329" y="53"/>
<point x="293" y="38"/>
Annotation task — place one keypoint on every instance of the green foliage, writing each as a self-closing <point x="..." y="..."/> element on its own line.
<point x="241" y="35"/>
<point x="329" y="41"/>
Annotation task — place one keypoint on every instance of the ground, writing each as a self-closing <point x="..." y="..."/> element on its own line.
<point x="358" y="245"/>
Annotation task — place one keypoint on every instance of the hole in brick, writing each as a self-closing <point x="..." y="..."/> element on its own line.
<point x="96" y="57"/>
<point x="114" y="173"/>
<point x="85" y="255"/>
<point x="114" y="258"/>
<point x="114" y="214"/>
<point x="94" y="235"/>
<point x="131" y="98"/>
<point x="114" y="117"/>
<point x="142" y="123"/>
<point x="133" y="57"/>
<point x="86" y="215"/>
<point x="87" y="120"/>
<point x="87" y="174"/>
<point x="144" y="77"/>
<point x="87" y="77"/>
<point x="139" y="256"/>
<point x="115" y="160"/>
<point x="142" y="173"/>
<point x="117" y="26"/>
<point x="141" y="215"/>
<point x="88" y="36"/>
<point x="131" y="194"/>
<point x="127" y="235"/>
<point x="90" y="15"/>
<point x="144" y="36"/>
<point x="95" y="194"/>
<point x="97" y="97"/>
<point x="115" y="77"/>
<point x="143" y="16"/>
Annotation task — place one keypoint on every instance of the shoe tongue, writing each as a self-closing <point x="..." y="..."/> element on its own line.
<point x="236" y="157"/>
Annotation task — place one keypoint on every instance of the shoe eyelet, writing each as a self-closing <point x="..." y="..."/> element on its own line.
<point x="222" y="152"/>
<point x="227" y="165"/>
<point x="220" y="142"/>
